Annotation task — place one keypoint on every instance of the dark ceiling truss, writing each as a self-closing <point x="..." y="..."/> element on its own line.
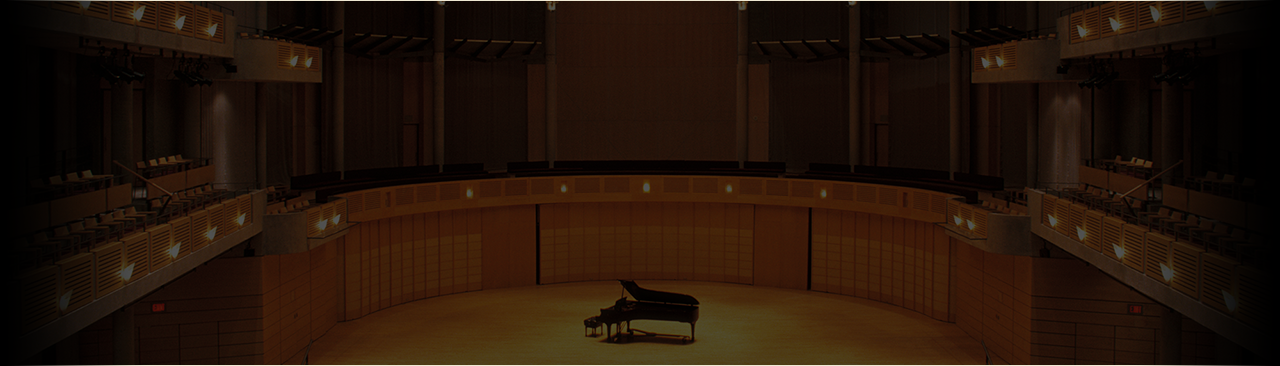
<point x="490" y="50"/>
<point x="920" y="46"/>
<point x="369" y="45"/>
<point x="802" y="50"/>
<point x="304" y="35"/>
<point x="982" y="37"/>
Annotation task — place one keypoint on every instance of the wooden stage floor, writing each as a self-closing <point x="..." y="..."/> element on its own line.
<point x="739" y="324"/>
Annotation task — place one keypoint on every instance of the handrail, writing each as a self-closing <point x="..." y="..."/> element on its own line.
<point x="1149" y="180"/>
<point x="142" y="178"/>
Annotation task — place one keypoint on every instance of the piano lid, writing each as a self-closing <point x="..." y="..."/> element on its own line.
<point x="641" y="294"/>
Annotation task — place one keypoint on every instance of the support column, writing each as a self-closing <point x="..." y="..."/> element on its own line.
<point x="437" y="82"/>
<point x="1170" y="351"/>
<point x="954" y="59"/>
<point x="260" y="93"/>
<point x="740" y="133"/>
<point x="553" y="126"/>
<point x="338" y="103"/>
<point x="1171" y="134"/>
<point x="259" y="90"/>
<point x="122" y="124"/>
<point x="855" y="84"/>
<point x="122" y="337"/>
<point x="1033" y="134"/>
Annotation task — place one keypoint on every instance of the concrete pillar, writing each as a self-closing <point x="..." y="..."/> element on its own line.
<point x="437" y="82"/>
<point x="338" y="102"/>
<point x="1170" y="351"/>
<point x="260" y="120"/>
<point x="1171" y="133"/>
<point x="122" y="125"/>
<point x="552" y="84"/>
<point x="855" y="84"/>
<point x="123" y="337"/>
<point x="192" y="122"/>
<point x="740" y="133"/>
<point x="954" y="115"/>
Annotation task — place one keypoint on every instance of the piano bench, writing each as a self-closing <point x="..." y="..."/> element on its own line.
<point x="593" y="326"/>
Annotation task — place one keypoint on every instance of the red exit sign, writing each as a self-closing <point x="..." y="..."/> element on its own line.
<point x="1135" y="309"/>
<point x="157" y="307"/>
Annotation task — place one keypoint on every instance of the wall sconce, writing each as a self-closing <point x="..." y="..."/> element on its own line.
<point x="336" y="219"/>
<point x="211" y="233"/>
<point x="1166" y="272"/>
<point x="322" y="224"/>
<point x="470" y="193"/>
<point x="958" y="220"/>
<point x="308" y="63"/>
<point x="645" y="187"/>
<point x="999" y="61"/>
<point x="293" y="61"/>
<point x="564" y="188"/>
<point x="551" y="5"/>
<point x="1210" y="5"/>
<point x="728" y="188"/>
<point x="173" y="250"/>
<point x="213" y="29"/>
<point x="985" y="63"/>
<point x="970" y="224"/>
<point x="84" y="4"/>
<point x="1230" y="300"/>
<point x="822" y="193"/>
<point x="178" y="23"/>
<point x="1081" y="233"/>
<point x="127" y="272"/>
<point x="137" y="13"/>
<point x="1053" y="221"/>
<point x="742" y="6"/>
<point x="1115" y="24"/>
<point x="1081" y="31"/>
<point x="240" y="220"/>
<point x="65" y="300"/>
<point x="1119" y="251"/>
<point x="1155" y="14"/>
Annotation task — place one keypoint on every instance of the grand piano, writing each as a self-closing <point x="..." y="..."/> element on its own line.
<point x="648" y="305"/>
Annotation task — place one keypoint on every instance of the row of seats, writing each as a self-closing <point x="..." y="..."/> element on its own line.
<point x="186" y="200"/>
<point x="1209" y="234"/>
<point x="48" y="246"/>
<point x="162" y="166"/>
<point x="74" y="183"/>
<point x="1135" y="167"/>
<point x="1225" y="185"/>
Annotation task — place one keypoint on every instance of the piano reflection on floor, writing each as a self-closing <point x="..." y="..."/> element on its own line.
<point x="648" y="305"/>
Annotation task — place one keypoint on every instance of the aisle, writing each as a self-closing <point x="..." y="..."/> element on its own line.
<point x="739" y="324"/>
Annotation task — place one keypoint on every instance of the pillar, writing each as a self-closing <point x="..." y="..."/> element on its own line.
<point x="437" y="83"/>
<point x="1171" y="133"/>
<point x="740" y="133"/>
<point x="260" y="121"/>
<point x="552" y="101"/>
<point x="122" y="125"/>
<point x="855" y="84"/>
<point x="338" y="102"/>
<point x="954" y="60"/>
<point x="1033" y="107"/>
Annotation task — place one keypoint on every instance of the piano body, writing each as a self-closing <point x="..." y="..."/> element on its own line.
<point x="647" y="305"/>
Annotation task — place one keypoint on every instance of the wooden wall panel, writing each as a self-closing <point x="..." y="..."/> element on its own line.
<point x="781" y="246"/>
<point x="212" y="315"/>
<point x="1079" y="315"/>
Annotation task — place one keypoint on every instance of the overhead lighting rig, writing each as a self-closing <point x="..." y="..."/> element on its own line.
<point x="1180" y="68"/>
<point x="190" y="71"/>
<point x="1100" y="74"/>
<point x="110" y="70"/>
